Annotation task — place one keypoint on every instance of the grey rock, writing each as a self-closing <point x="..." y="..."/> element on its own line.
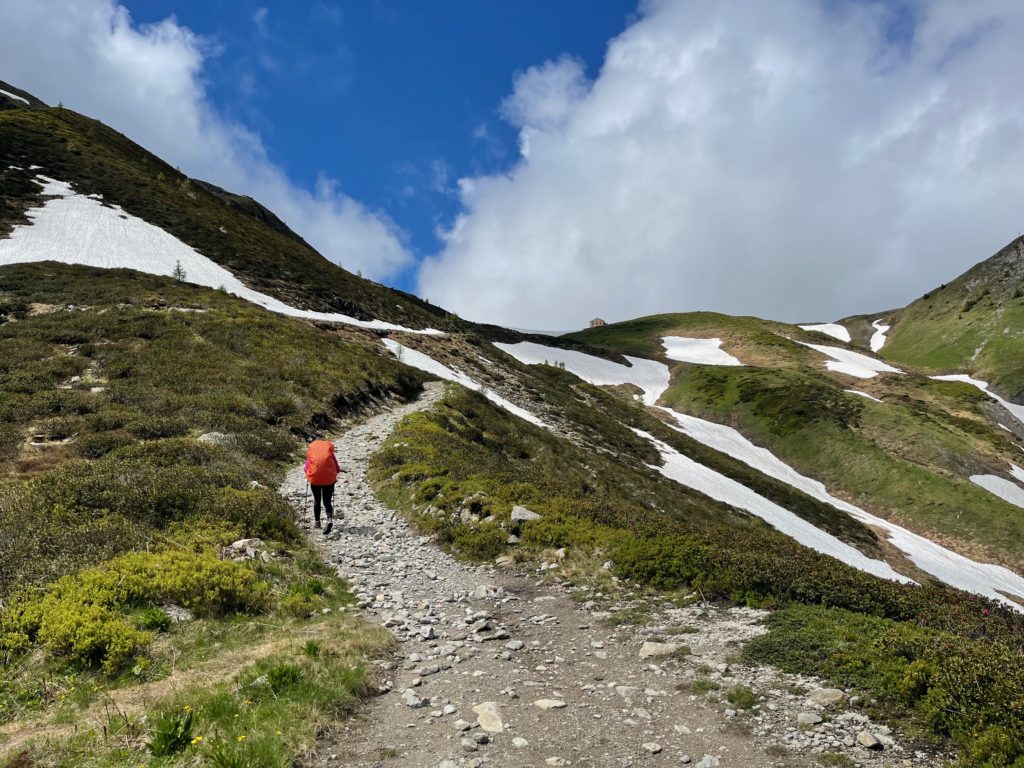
<point x="808" y="718"/>
<point x="651" y="650"/>
<point x="520" y="743"/>
<point x="462" y="725"/>
<point x="709" y="761"/>
<point x="549" y="704"/>
<point x="216" y="438"/>
<point x="652" y="746"/>
<point x="868" y="740"/>
<point x="521" y="514"/>
<point x="826" y="697"/>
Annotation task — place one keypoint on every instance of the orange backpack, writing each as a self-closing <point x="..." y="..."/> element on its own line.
<point x="321" y="466"/>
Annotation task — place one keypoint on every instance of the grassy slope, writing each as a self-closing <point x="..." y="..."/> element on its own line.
<point x="119" y="471"/>
<point x="469" y="455"/>
<point x="235" y="232"/>
<point x="907" y="460"/>
<point x="974" y="324"/>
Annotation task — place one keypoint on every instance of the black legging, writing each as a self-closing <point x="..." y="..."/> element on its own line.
<point x="325" y="492"/>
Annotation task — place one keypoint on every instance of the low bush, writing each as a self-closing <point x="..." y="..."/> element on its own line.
<point x="967" y="689"/>
<point x="83" y="617"/>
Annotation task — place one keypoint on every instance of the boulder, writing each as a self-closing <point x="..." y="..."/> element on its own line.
<point x="868" y="740"/>
<point x="521" y="514"/>
<point x="215" y="438"/>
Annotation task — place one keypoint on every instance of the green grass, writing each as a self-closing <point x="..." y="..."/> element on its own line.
<point x="972" y="325"/>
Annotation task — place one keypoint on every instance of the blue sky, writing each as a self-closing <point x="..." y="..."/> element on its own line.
<point x="395" y="100"/>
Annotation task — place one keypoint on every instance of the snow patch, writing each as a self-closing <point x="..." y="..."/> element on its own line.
<point x="863" y="394"/>
<point x="417" y="359"/>
<point x="10" y="95"/>
<point x="945" y="565"/>
<point x="1017" y="411"/>
<point x="688" y="472"/>
<point x="77" y="229"/>
<point x="852" y="363"/>
<point x="650" y="376"/>
<point x="1007" y="490"/>
<point x="835" y="330"/>
<point x="701" y="351"/>
<point x="878" y="337"/>
<point x="1018" y="473"/>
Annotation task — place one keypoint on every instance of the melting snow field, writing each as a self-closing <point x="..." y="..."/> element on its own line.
<point x="1016" y="410"/>
<point x="863" y="394"/>
<point x="652" y="377"/>
<point x="416" y="359"/>
<point x="10" y="95"/>
<point x="701" y="351"/>
<point x="878" y="337"/>
<point x="835" y="330"/>
<point x="947" y="566"/>
<point x="78" y="229"/>
<point x="688" y="472"/>
<point x="852" y="363"/>
<point x="1007" y="490"/>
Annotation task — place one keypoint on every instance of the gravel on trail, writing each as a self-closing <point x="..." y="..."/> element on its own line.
<point x="500" y="668"/>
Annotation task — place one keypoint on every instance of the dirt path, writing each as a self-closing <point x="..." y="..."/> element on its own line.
<point x="495" y="668"/>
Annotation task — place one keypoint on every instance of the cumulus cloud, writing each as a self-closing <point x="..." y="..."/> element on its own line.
<point x="148" y="82"/>
<point x="800" y="159"/>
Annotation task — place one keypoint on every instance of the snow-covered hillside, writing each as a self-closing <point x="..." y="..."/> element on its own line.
<point x="78" y="229"/>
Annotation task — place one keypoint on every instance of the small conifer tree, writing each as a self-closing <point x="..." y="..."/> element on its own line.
<point x="179" y="272"/>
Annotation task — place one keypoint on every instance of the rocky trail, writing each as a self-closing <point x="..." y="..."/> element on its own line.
<point x="501" y="668"/>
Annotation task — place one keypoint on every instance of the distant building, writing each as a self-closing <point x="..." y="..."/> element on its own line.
<point x="597" y="322"/>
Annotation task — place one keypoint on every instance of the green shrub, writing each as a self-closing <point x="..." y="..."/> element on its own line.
<point x="94" y="446"/>
<point x="171" y="734"/>
<point x="82" y="617"/>
<point x="741" y="697"/>
<point x="154" y="620"/>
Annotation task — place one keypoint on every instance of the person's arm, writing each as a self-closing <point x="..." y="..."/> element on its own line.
<point x="336" y="464"/>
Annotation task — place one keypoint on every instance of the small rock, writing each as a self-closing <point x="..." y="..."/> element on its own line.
<point x="730" y="713"/>
<point x="826" y="697"/>
<point x="412" y="700"/>
<point x="489" y="717"/>
<point x="868" y="740"/>
<point x="808" y="718"/>
<point x="462" y="725"/>
<point x="215" y="438"/>
<point x="685" y="759"/>
<point x="653" y="747"/>
<point x="651" y="650"/>
<point x="556" y="761"/>
<point x="549" y="703"/>
<point x="709" y="761"/>
<point x="520" y="743"/>
<point x="481" y="738"/>
<point x="469" y="745"/>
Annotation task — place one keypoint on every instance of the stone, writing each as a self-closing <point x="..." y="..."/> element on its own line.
<point x="520" y="743"/>
<point x="462" y="725"/>
<point x="685" y="759"/>
<point x="215" y="438"/>
<point x="412" y="700"/>
<point x="556" y="761"/>
<point x="427" y="671"/>
<point x="549" y="703"/>
<point x="709" y="761"/>
<point x="481" y="738"/>
<point x="730" y="713"/>
<point x="868" y="740"/>
<point x="826" y="697"/>
<point x="504" y="560"/>
<point x="808" y="718"/>
<point x="652" y="746"/>
<point x="651" y="650"/>
<point x="489" y="717"/>
<point x="426" y="632"/>
<point x="521" y="514"/>
<point x="469" y="745"/>
<point x="177" y="613"/>
<point x="515" y="645"/>
<point x="449" y="709"/>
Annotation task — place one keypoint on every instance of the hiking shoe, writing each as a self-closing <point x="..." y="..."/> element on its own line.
<point x="316" y="524"/>
<point x="329" y="527"/>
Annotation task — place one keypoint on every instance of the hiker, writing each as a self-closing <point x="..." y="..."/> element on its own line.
<point x="322" y="470"/>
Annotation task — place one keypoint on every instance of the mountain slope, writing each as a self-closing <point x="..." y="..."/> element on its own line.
<point x="973" y="324"/>
<point x="235" y="232"/>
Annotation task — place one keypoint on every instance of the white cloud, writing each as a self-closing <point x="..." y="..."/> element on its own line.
<point x="790" y="159"/>
<point x="148" y="83"/>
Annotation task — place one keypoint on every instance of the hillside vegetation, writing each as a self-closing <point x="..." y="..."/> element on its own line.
<point x="907" y="459"/>
<point x="973" y="324"/>
<point x="112" y="510"/>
